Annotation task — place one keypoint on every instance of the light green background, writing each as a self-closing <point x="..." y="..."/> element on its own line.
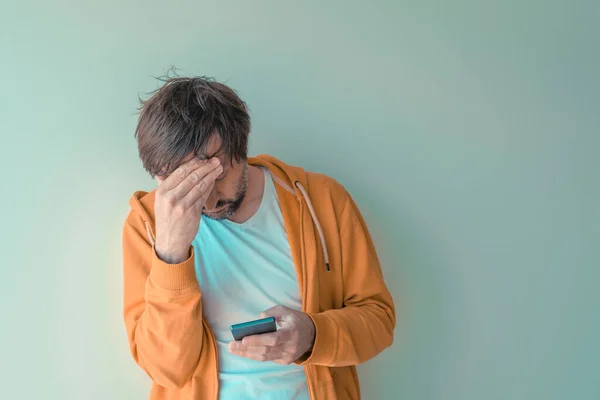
<point x="466" y="131"/>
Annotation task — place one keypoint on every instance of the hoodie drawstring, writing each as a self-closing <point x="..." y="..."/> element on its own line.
<point x="317" y="223"/>
<point x="149" y="232"/>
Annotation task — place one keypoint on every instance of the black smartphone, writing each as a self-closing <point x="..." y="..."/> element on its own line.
<point x="264" y="325"/>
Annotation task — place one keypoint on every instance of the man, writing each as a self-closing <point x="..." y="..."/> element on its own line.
<point x="226" y="238"/>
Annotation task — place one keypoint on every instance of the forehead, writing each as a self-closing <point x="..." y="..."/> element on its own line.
<point x="213" y="149"/>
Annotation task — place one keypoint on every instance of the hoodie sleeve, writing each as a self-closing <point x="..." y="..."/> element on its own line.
<point x="162" y="309"/>
<point x="365" y="325"/>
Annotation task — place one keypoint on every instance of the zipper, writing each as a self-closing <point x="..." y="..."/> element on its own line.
<point x="307" y="369"/>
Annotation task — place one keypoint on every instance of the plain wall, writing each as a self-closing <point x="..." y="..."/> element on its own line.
<point x="468" y="133"/>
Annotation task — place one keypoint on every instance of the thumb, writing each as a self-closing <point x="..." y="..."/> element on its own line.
<point x="279" y="312"/>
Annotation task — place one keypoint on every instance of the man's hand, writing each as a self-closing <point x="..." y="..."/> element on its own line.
<point x="294" y="338"/>
<point x="178" y="207"/>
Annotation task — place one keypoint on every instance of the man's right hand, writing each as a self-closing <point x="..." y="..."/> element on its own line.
<point x="178" y="207"/>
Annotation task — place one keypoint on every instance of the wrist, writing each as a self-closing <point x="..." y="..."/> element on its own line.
<point x="172" y="256"/>
<point x="173" y="277"/>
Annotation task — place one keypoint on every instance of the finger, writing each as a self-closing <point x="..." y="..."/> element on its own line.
<point x="252" y="356"/>
<point x="238" y="346"/>
<point x="182" y="172"/>
<point x="261" y="353"/>
<point x="263" y="339"/>
<point x="273" y="311"/>
<point x="194" y="178"/>
<point x="201" y="190"/>
<point x="173" y="179"/>
<point x="280" y="313"/>
<point x="266" y="339"/>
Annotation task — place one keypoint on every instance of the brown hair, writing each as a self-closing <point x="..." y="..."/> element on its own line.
<point x="181" y="116"/>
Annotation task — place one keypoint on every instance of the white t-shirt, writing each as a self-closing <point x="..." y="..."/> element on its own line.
<point x="244" y="269"/>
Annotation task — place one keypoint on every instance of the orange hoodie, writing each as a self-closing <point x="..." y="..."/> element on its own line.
<point x="339" y="275"/>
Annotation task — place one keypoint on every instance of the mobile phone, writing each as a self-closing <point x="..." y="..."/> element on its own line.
<point x="264" y="325"/>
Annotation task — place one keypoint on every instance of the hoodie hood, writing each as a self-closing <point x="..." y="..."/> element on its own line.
<point x="292" y="179"/>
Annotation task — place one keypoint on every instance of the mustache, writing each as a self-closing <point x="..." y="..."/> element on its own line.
<point x="223" y="203"/>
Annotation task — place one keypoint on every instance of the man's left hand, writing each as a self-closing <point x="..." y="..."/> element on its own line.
<point x="295" y="337"/>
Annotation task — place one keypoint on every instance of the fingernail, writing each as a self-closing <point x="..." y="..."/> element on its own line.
<point x="215" y="160"/>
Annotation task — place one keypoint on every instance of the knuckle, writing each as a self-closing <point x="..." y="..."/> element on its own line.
<point x="181" y="172"/>
<point x="193" y="177"/>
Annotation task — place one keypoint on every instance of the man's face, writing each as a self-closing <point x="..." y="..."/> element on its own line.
<point x="230" y="187"/>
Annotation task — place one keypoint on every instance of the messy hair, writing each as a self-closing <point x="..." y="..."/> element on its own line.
<point x="182" y="115"/>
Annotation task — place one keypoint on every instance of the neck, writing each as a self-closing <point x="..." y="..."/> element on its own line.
<point x="254" y="194"/>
